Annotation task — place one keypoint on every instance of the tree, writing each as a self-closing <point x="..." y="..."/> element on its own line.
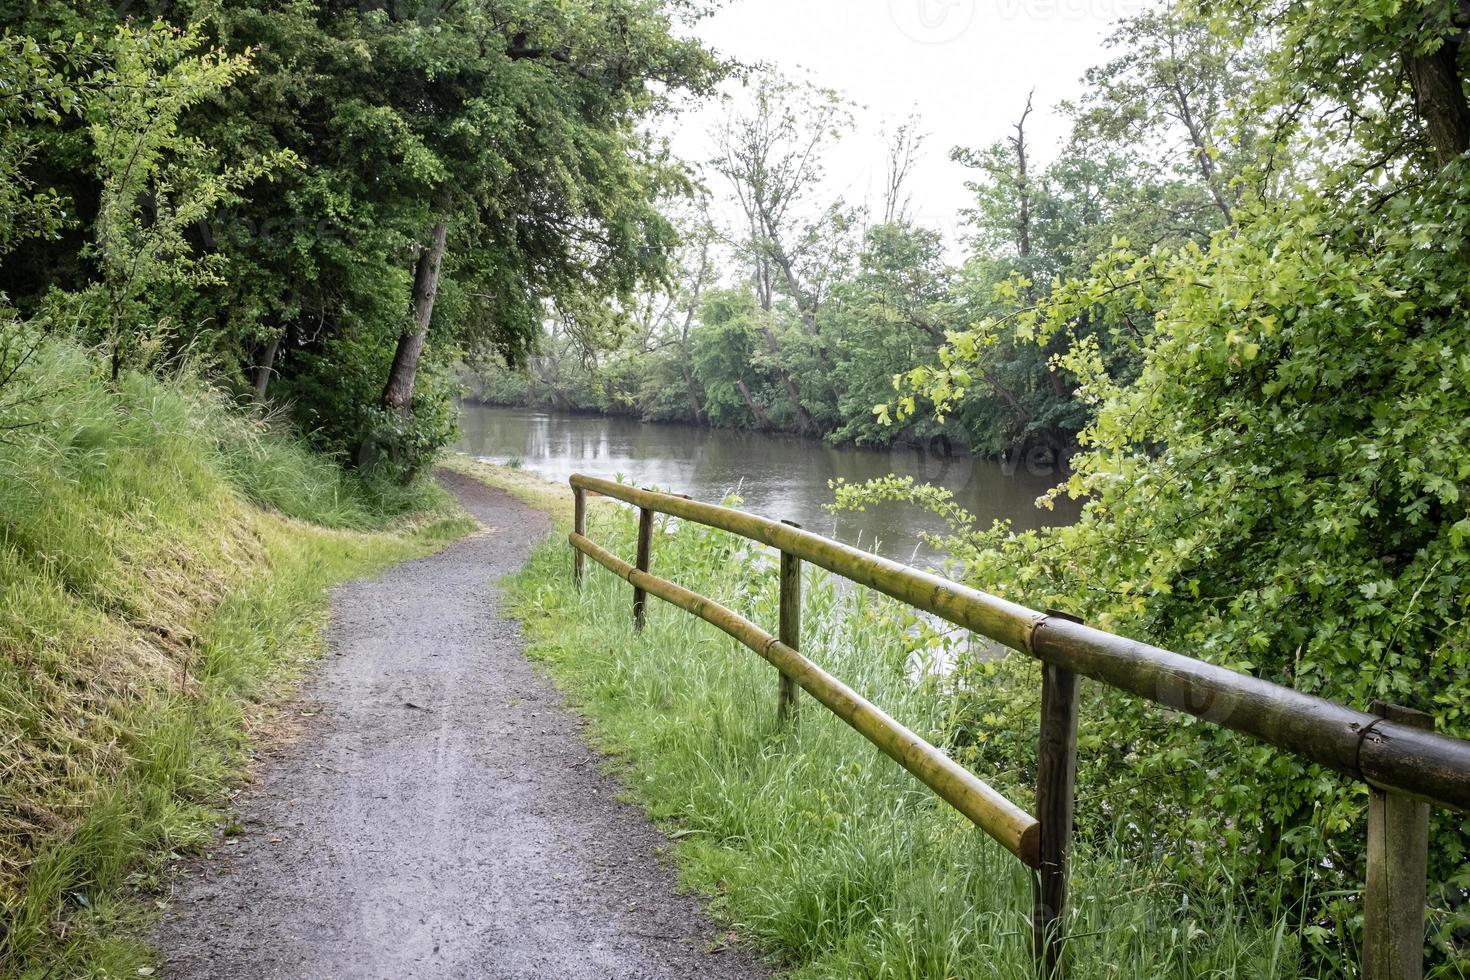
<point x="895" y="311"/>
<point x="567" y="207"/>
<point x="465" y="170"/>
<point x="1021" y="240"/>
<point x="771" y="156"/>
<point x="904" y="146"/>
<point x="725" y="360"/>
<point x="1155" y="159"/>
<point x="1174" y="96"/>
<point x="669" y="322"/>
<point x="41" y="82"/>
<point x="1390" y="76"/>
<point x="156" y="183"/>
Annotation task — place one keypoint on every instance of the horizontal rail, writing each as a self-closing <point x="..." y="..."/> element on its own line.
<point x="1011" y="826"/>
<point x="1385" y="754"/>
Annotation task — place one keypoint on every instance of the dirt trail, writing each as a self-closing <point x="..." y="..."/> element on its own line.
<point x="439" y="817"/>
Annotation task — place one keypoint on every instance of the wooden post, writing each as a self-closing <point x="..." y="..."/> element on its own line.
<point x="789" y="631"/>
<point x="1398" y="869"/>
<point x="579" y="525"/>
<point x="645" y="547"/>
<point x="1056" y="781"/>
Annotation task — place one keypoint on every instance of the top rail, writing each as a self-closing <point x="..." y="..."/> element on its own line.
<point x="1385" y="754"/>
<point x="956" y="785"/>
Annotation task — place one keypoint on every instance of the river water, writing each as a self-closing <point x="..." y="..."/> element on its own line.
<point x="779" y="476"/>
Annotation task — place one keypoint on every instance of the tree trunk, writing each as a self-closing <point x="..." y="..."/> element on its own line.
<point x="807" y="306"/>
<point x="266" y="366"/>
<point x="1439" y="96"/>
<point x="754" y="406"/>
<point x="690" y="386"/>
<point x="398" y="393"/>
<point x="1021" y="415"/>
<point x="1023" y="185"/>
<point x="764" y="295"/>
<point x="803" y="418"/>
<point x="685" y="357"/>
<point x="1198" y="138"/>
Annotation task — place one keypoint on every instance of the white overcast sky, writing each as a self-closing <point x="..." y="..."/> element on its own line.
<point x="964" y="66"/>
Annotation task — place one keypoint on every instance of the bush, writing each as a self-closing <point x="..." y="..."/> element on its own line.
<point x="1282" y="492"/>
<point x="336" y="396"/>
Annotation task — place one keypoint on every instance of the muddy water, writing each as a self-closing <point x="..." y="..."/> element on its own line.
<point x="779" y="476"/>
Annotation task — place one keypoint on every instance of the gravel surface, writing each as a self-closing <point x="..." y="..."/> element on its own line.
<point x="439" y="816"/>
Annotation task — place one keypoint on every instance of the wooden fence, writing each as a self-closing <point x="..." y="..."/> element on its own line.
<point x="1394" y="750"/>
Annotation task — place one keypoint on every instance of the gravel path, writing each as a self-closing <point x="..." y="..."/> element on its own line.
<point x="439" y="817"/>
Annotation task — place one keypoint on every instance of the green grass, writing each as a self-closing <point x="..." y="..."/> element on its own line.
<point x="164" y="560"/>
<point x="811" y="844"/>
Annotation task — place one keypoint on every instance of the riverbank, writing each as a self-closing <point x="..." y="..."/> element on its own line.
<point x="809" y="842"/>
<point x="164" y="563"/>
<point x="782" y="476"/>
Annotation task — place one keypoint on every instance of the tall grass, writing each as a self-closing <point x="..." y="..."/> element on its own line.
<point x="148" y="602"/>
<point x="810" y="842"/>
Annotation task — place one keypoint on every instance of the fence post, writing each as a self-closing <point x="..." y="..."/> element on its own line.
<point x="1398" y="869"/>
<point x="579" y="525"/>
<point x="645" y="547"/>
<point x="789" y="631"/>
<point x="1056" y="782"/>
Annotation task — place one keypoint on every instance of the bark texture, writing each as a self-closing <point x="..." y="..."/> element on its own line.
<point x="398" y="393"/>
<point x="1439" y="98"/>
<point x="266" y="366"/>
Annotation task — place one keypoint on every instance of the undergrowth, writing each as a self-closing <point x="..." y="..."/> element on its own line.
<point x="163" y="565"/>
<point x="812" y="844"/>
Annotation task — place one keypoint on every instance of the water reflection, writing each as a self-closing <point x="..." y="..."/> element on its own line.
<point x="779" y="476"/>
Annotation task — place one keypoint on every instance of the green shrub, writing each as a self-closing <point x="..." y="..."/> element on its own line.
<point x="1282" y="492"/>
<point x="336" y="396"/>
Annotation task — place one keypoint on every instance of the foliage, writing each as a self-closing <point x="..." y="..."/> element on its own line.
<point x="839" y="306"/>
<point x="156" y="183"/>
<point x="40" y="82"/>
<point x="249" y="184"/>
<point x="1278" y="486"/>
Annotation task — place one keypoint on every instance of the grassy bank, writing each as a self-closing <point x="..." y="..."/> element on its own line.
<point x="812" y="844"/>
<point x="164" y="561"/>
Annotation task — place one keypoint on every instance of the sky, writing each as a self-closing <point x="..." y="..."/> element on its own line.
<point x="965" y="66"/>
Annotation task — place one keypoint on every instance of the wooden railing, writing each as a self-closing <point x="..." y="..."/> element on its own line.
<point x="1394" y="750"/>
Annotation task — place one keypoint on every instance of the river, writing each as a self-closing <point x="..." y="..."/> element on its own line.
<point x="779" y="476"/>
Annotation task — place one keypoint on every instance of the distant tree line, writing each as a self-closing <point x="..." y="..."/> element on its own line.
<point x="799" y="315"/>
